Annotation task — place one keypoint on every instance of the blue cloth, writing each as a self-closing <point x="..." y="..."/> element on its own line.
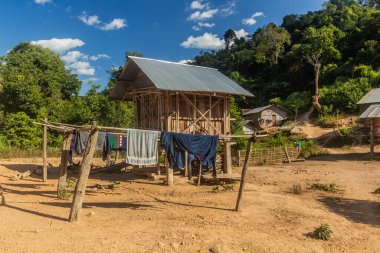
<point x="202" y="147"/>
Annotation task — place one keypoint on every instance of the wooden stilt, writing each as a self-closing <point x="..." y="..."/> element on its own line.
<point x="169" y="173"/>
<point x="243" y="175"/>
<point x="117" y="156"/>
<point x="372" y="147"/>
<point x="186" y="164"/>
<point x="80" y="188"/>
<point x="61" y="191"/>
<point x="200" y="173"/>
<point x="158" y="158"/>
<point x="44" y="153"/>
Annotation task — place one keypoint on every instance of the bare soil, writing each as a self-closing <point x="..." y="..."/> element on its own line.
<point x="146" y="216"/>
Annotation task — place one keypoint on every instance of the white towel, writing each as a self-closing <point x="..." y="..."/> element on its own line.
<point x="142" y="147"/>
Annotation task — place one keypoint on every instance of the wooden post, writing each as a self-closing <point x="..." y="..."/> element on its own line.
<point x="186" y="164"/>
<point x="200" y="173"/>
<point x="287" y="155"/>
<point x="238" y="158"/>
<point x="169" y="170"/>
<point x="372" y="136"/>
<point x="44" y="153"/>
<point x="158" y="158"/>
<point x="117" y="156"/>
<point x="243" y="174"/>
<point x="63" y="166"/>
<point x="227" y="166"/>
<point x="80" y="188"/>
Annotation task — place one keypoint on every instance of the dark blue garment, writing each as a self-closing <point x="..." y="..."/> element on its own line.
<point x="203" y="147"/>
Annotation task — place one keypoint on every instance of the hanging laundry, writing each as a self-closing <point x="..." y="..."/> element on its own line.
<point x="202" y="147"/>
<point x="80" y="142"/>
<point x="141" y="147"/>
<point x="117" y="141"/>
<point x="101" y="141"/>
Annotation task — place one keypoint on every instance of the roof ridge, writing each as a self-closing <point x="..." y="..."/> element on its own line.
<point x="170" y="62"/>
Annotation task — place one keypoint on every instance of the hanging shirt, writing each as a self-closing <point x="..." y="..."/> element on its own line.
<point x="201" y="146"/>
<point x="141" y="147"/>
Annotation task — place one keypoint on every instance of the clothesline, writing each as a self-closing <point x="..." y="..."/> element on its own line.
<point x="121" y="131"/>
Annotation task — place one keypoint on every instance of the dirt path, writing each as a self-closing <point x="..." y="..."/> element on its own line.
<point x="146" y="216"/>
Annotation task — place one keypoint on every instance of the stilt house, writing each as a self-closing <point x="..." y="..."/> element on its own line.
<point x="178" y="97"/>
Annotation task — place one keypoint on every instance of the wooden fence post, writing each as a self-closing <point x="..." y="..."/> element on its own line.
<point x="61" y="191"/>
<point x="44" y="154"/>
<point x="243" y="174"/>
<point x="80" y="188"/>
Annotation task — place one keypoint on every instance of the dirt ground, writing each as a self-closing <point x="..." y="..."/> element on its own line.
<point x="146" y="216"/>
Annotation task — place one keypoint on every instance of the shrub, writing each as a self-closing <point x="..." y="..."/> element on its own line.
<point x="377" y="191"/>
<point x="297" y="189"/>
<point x="323" y="232"/>
<point x="324" y="187"/>
<point x="309" y="149"/>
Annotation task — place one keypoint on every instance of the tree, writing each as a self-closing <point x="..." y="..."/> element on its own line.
<point x="33" y="78"/>
<point x="229" y="37"/>
<point x="270" y="43"/>
<point x="318" y="46"/>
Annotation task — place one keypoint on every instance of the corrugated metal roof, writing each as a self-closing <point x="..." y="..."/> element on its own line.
<point x="373" y="96"/>
<point x="373" y="111"/>
<point x="183" y="77"/>
<point x="257" y="110"/>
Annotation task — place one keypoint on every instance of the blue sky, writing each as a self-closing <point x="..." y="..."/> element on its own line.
<point x="93" y="35"/>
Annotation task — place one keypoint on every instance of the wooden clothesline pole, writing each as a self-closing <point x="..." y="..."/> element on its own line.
<point x="244" y="173"/>
<point x="84" y="172"/>
<point x="44" y="154"/>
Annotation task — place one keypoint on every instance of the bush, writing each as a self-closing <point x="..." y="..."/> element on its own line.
<point x="324" y="187"/>
<point x="323" y="232"/>
<point x="309" y="149"/>
<point x="19" y="131"/>
<point x="377" y="191"/>
<point x="297" y="189"/>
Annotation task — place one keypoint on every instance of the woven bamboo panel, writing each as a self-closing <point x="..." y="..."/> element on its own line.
<point x="268" y="155"/>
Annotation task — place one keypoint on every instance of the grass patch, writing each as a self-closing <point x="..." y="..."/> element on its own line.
<point x="310" y="149"/>
<point x="324" y="187"/>
<point x="377" y="191"/>
<point x="14" y="152"/>
<point x="323" y="232"/>
<point x="297" y="189"/>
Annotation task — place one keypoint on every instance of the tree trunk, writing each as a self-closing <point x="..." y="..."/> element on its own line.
<point x="317" y="68"/>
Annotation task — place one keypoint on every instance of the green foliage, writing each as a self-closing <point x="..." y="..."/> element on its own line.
<point x="295" y="102"/>
<point x="323" y="232"/>
<point x="345" y="95"/>
<point x="35" y="78"/>
<point x="278" y="139"/>
<point x="340" y="44"/>
<point x="324" y="187"/>
<point x="377" y="191"/>
<point x="309" y="149"/>
<point x="19" y="131"/>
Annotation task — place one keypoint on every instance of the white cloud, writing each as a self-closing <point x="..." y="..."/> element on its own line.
<point x="229" y="9"/>
<point x="89" y="20"/>
<point x="91" y="79"/>
<point x="208" y="25"/>
<point x="82" y="68"/>
<point x="252" y="20"/>
<point x="196" y="28"/>
<point x="42" y="1"/>
<point x="188" y="61"/>
<point x="197" y="5"/>
<point x="198" y="15"/>
<point x="73" y="56"/>
<point x="59" y="45"/>
<point x="99" y="56"/>
<point x="115" y="24"/>
<point x="205" y="41"/>
<point x="241" y="33"/>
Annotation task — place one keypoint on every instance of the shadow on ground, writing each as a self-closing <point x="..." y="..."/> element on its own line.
<point x="359" y="211"/>
<point x="347" y="157"/>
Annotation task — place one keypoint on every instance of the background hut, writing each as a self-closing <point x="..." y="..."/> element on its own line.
<point x="371" y="98"/>
<point x="270" y="115"/>
<point x="372" y="116"/>
<point x="178" y="97"/>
